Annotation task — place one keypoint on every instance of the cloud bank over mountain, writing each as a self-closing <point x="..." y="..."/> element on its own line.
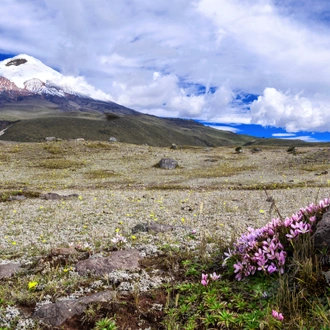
<point x="189" y="58"/>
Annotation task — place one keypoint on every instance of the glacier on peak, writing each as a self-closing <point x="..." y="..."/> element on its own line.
<point x="30" y="74"/>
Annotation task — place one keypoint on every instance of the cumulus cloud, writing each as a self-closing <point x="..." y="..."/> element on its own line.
<point x="294" y="112"/>
<point x="148" y="54"/>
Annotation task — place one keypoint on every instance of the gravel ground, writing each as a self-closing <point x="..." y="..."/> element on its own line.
<point x="215" y="191"/>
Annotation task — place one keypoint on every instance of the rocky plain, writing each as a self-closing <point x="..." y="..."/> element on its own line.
<point x="96" y="229"/>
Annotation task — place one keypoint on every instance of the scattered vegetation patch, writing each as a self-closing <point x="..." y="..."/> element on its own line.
<point x="100" y="145"/>
<point x="60" y="163"/>
<point x="168" y="186"/>
<point x="55" y="149"/>
<point x="316" y="167"/>
<point x="7" y="195"/>
<point x="4" y="157"/>
<point x="226" y="169"/>
<point x="101" y="174"/>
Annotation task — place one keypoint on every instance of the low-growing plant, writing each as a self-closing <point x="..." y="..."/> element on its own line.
<point x="106" y="324"/>
<point x="59" y="163"/>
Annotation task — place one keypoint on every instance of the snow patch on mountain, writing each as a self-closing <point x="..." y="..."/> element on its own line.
<point x="30" y="74"/>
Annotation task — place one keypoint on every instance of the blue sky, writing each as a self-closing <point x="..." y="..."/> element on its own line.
<point x="240" y="64"/>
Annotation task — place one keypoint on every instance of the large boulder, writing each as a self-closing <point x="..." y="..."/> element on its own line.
<point x="167" y="163"/>
<point x="322" y="234"/>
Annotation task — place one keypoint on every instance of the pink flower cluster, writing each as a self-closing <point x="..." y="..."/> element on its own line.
<point x="278" y="316"/>
<point x="263" y="249"/>
<point x="205" y="277"/>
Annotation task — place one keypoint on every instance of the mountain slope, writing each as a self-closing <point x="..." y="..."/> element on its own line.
<point x="37" y="101"/>
<point x="141" y="129"/>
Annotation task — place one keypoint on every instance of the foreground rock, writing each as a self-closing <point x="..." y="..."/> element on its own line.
<point x="124" y="259"/>
<point x="8" y="270"/>
<point x="322" y="233"/>
<point x="57" y="313"/>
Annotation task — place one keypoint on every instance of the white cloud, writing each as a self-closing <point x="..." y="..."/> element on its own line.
<point x="224" y="128"/>
<point x="294" y="112"/>
<point x="264" y="47"/>
<point x="283" y="134"/>
<point x="305" y="138"/>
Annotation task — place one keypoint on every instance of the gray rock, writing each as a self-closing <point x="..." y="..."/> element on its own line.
<point x="173" y="146"/>
<point x="321" y="236"/>
<point x="54" y="196"/>
<point x="17" y="198"/>
<point x="50" y="138"/>
<point x="254" y="150"/>
<point x="154" y="227"/>
<point x="123" y="259"/>
<point x="8" y="270"/>
<point x="167" y="163"/>
<point x="113" y="139"/>
<point x="57" y="313"/>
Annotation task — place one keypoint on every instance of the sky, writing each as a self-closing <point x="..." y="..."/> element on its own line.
<point x="232" y="64"/>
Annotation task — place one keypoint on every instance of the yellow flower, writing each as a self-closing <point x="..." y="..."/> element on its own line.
<point x="261" y="211"/>
<point x="133" y="237"/>
<point x="117" y="230"/>
<point x="14" y="243"/>
<point x="32" y="285"/>
<point x="80" y="198"/>
<point x="182" y="219"/>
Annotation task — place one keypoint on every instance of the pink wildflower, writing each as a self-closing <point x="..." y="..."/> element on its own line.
<point x="214" y="276"/>
<point x="278" y="316"/>
<point x="204" y="280"/>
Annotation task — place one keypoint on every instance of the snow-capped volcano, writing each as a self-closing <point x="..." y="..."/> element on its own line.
<point x="24" y="78"/>
<point x="29" y="74"/>
<point x="22" y="68"/>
